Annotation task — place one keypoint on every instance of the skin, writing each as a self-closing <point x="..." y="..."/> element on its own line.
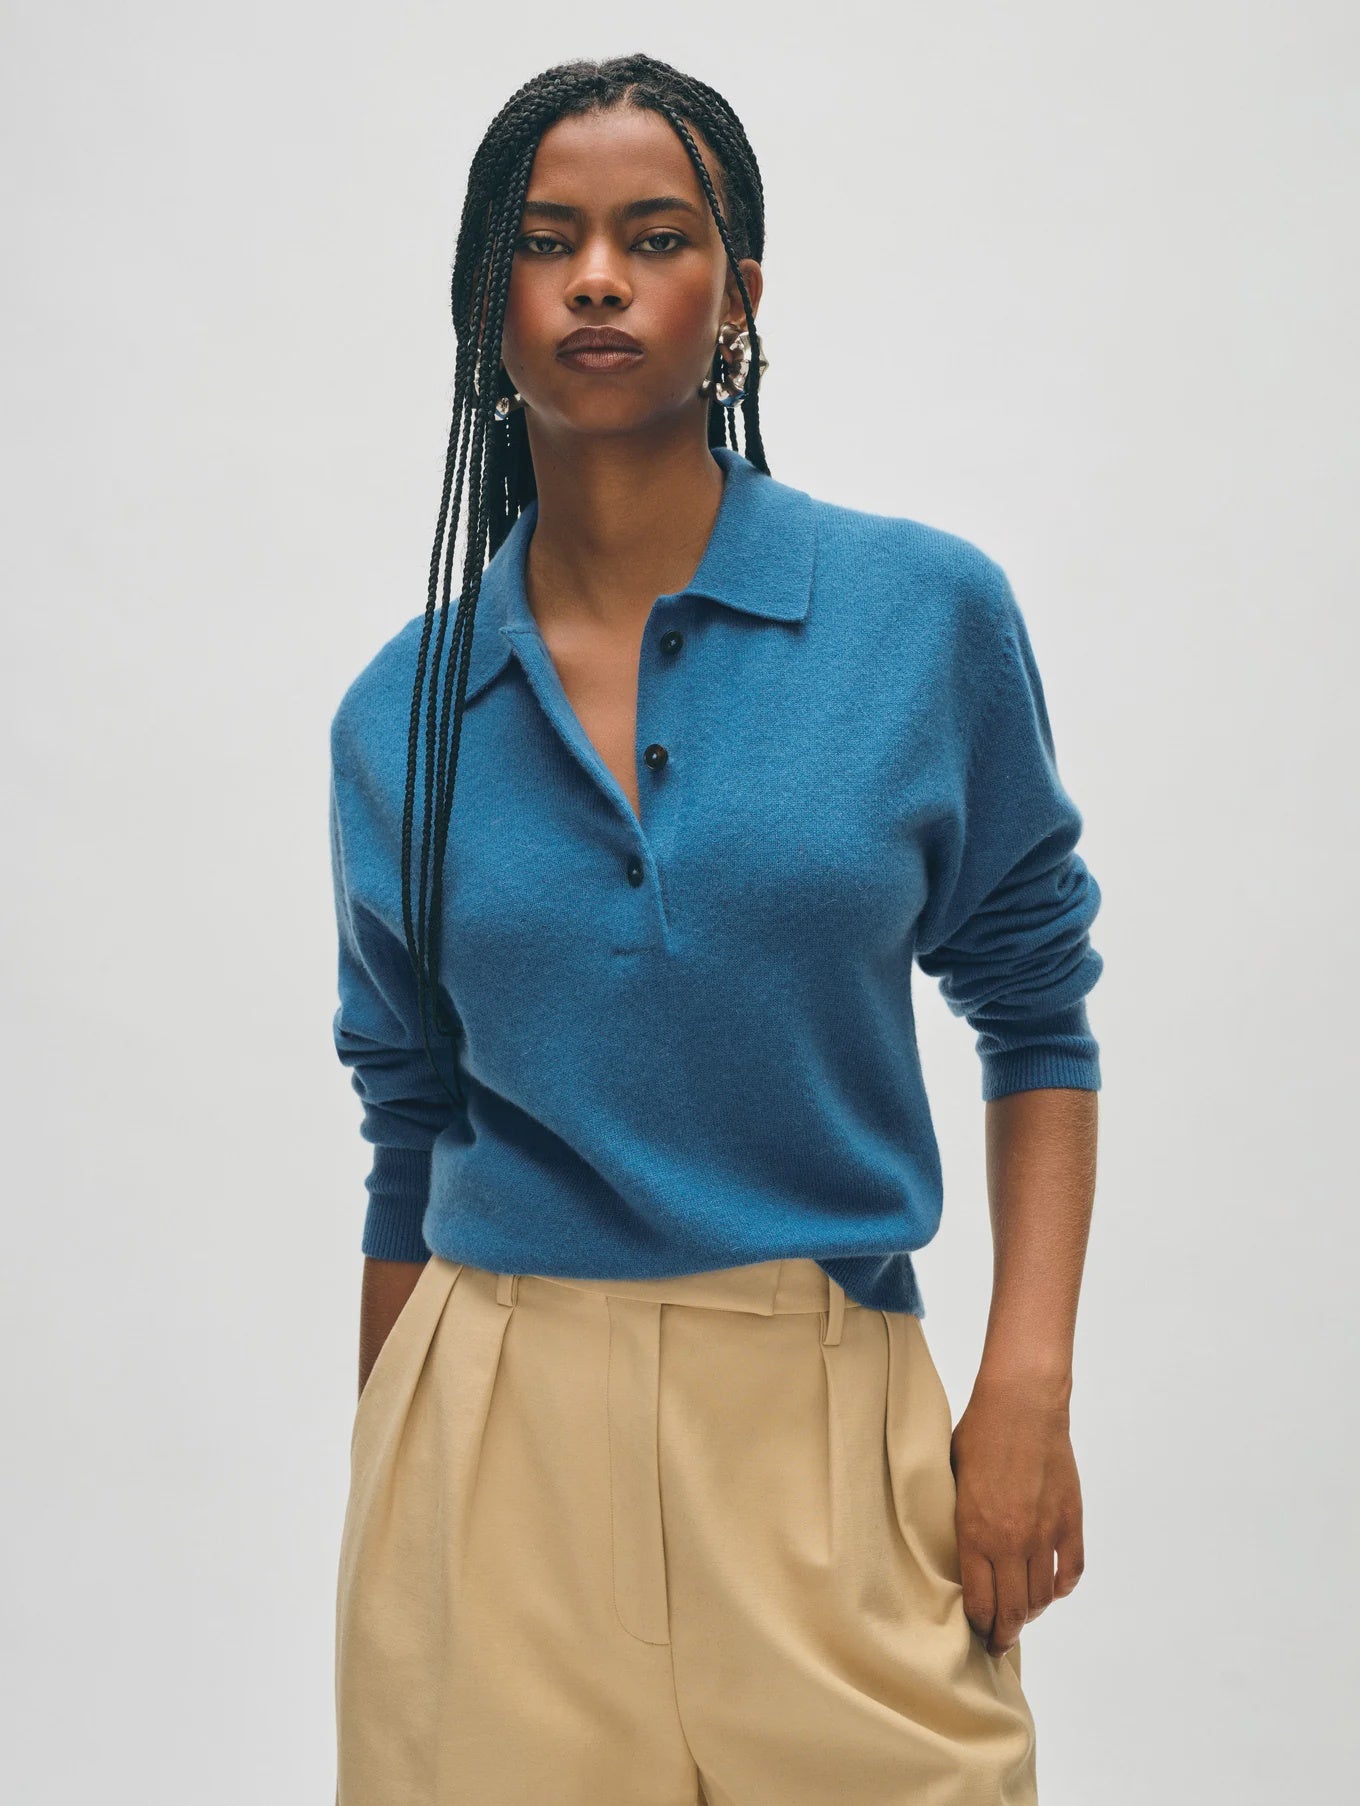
<point x="628" y="493"/>
<point x="1018" y="1513"/>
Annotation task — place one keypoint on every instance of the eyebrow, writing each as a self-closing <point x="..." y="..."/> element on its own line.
<point x="658" y="203"/>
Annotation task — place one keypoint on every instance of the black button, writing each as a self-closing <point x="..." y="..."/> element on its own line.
<point x="634" y="870"/>
<point x="656" y="757"/>
<point x="672" y="641"/>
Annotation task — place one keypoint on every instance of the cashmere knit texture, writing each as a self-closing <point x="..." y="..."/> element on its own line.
<point x="688" y="1042"/>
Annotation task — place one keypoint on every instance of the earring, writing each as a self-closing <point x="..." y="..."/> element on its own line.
<point x="504" y="405"/>
<point x="732" y="386"/>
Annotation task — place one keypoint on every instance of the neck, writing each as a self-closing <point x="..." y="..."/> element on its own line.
<point x="617" y="525"/>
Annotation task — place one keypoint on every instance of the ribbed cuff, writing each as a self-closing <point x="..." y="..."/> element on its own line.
<point x="1038" y="1069"/>
<point x="398" y="1192"/>
<point x="1060" y="1053"/>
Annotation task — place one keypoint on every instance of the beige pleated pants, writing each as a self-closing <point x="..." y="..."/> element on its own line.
<point x="661" y="1543"/>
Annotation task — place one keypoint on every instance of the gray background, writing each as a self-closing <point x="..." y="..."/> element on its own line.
<point x="1077" y="284"/>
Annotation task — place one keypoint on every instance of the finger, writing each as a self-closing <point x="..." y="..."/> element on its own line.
<point x="1012" y="1601"/>
<point x="1071" y="1560"/>
<point x="1040" y="1582"/>
<point x="979" y="1589"/>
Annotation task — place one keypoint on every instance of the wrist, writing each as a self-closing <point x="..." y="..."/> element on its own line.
<point x="1036" y="1377"/>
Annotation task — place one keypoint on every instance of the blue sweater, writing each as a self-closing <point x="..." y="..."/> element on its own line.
<point x="688" y="1042"/>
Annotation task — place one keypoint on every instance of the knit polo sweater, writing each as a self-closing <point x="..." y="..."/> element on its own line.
<point x="686" y="1040"/>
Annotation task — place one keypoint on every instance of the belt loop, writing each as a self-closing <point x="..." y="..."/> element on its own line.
<point x="834" y="1315"/>
<point x="507" y="1288"/>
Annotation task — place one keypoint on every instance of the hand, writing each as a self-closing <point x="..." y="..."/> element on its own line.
<point x="1018" y="1505"/>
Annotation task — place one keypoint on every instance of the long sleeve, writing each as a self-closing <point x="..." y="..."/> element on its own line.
<point x="378" y="1038"/>
<point x="1010" y="902"/>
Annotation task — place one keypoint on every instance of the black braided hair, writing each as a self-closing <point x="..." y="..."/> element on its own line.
<point x="502" y="482"/>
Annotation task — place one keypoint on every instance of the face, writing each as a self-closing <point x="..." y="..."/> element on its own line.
<point x="617" y="232"/>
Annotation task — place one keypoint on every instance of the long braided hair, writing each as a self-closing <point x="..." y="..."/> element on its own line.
<point x="497" y="449"/>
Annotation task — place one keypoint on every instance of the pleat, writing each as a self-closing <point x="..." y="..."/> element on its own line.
<point x="634" y="1381"/>
<point x="862" y="1543"/>
<point x="838" y="1468"/>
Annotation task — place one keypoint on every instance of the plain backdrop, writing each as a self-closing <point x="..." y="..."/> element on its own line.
<point x="1077" y="283"/>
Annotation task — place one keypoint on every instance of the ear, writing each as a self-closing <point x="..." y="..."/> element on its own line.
<point x="754" y="278"/>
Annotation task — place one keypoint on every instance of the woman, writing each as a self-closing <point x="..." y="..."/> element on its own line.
<point x="654" y="1494"/>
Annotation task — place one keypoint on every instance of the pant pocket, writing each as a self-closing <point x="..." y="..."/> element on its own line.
<point x="917" y="1430"/>
<point x="401" y="1340"/>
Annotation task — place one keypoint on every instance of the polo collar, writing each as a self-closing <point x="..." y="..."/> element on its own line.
<point x="759" y="560"/>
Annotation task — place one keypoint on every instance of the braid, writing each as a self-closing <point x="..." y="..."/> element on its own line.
<point x="492" y="456"/>
<point x="751" y="405"/>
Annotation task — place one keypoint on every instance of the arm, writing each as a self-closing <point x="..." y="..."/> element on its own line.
<point x="406" y="1105"/>
<point x="1019" y="1496"/>
<point x="1006" y="932"/>
<point x="1041" y="1177"/>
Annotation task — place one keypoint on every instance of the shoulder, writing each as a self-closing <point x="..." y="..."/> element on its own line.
<point x="378" y="698"/>
<point x="899" y="552"/>
<point x="918" y="585"/>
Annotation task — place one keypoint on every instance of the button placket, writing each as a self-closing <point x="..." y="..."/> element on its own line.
<point x="552" y="698"/>
<point x="656" y="755"/>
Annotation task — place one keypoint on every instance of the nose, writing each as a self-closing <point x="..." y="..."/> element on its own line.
<point x="598" y="280"/>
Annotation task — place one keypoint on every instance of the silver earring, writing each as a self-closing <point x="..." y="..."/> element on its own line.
<point x="504" y="405"/>
<point x="732" y="386"/>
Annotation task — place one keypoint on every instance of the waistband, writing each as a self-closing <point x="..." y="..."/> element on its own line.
<point x="767" y="1288"/>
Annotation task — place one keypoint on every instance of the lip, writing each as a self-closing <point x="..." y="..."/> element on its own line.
<point x="598" y="348"/>
<point x="608" y="338"/>
<point x="599" y="357"/>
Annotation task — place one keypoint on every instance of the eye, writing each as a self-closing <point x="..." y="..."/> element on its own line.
<point x="665" y="232"/>
<point x="529" y="238"/>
